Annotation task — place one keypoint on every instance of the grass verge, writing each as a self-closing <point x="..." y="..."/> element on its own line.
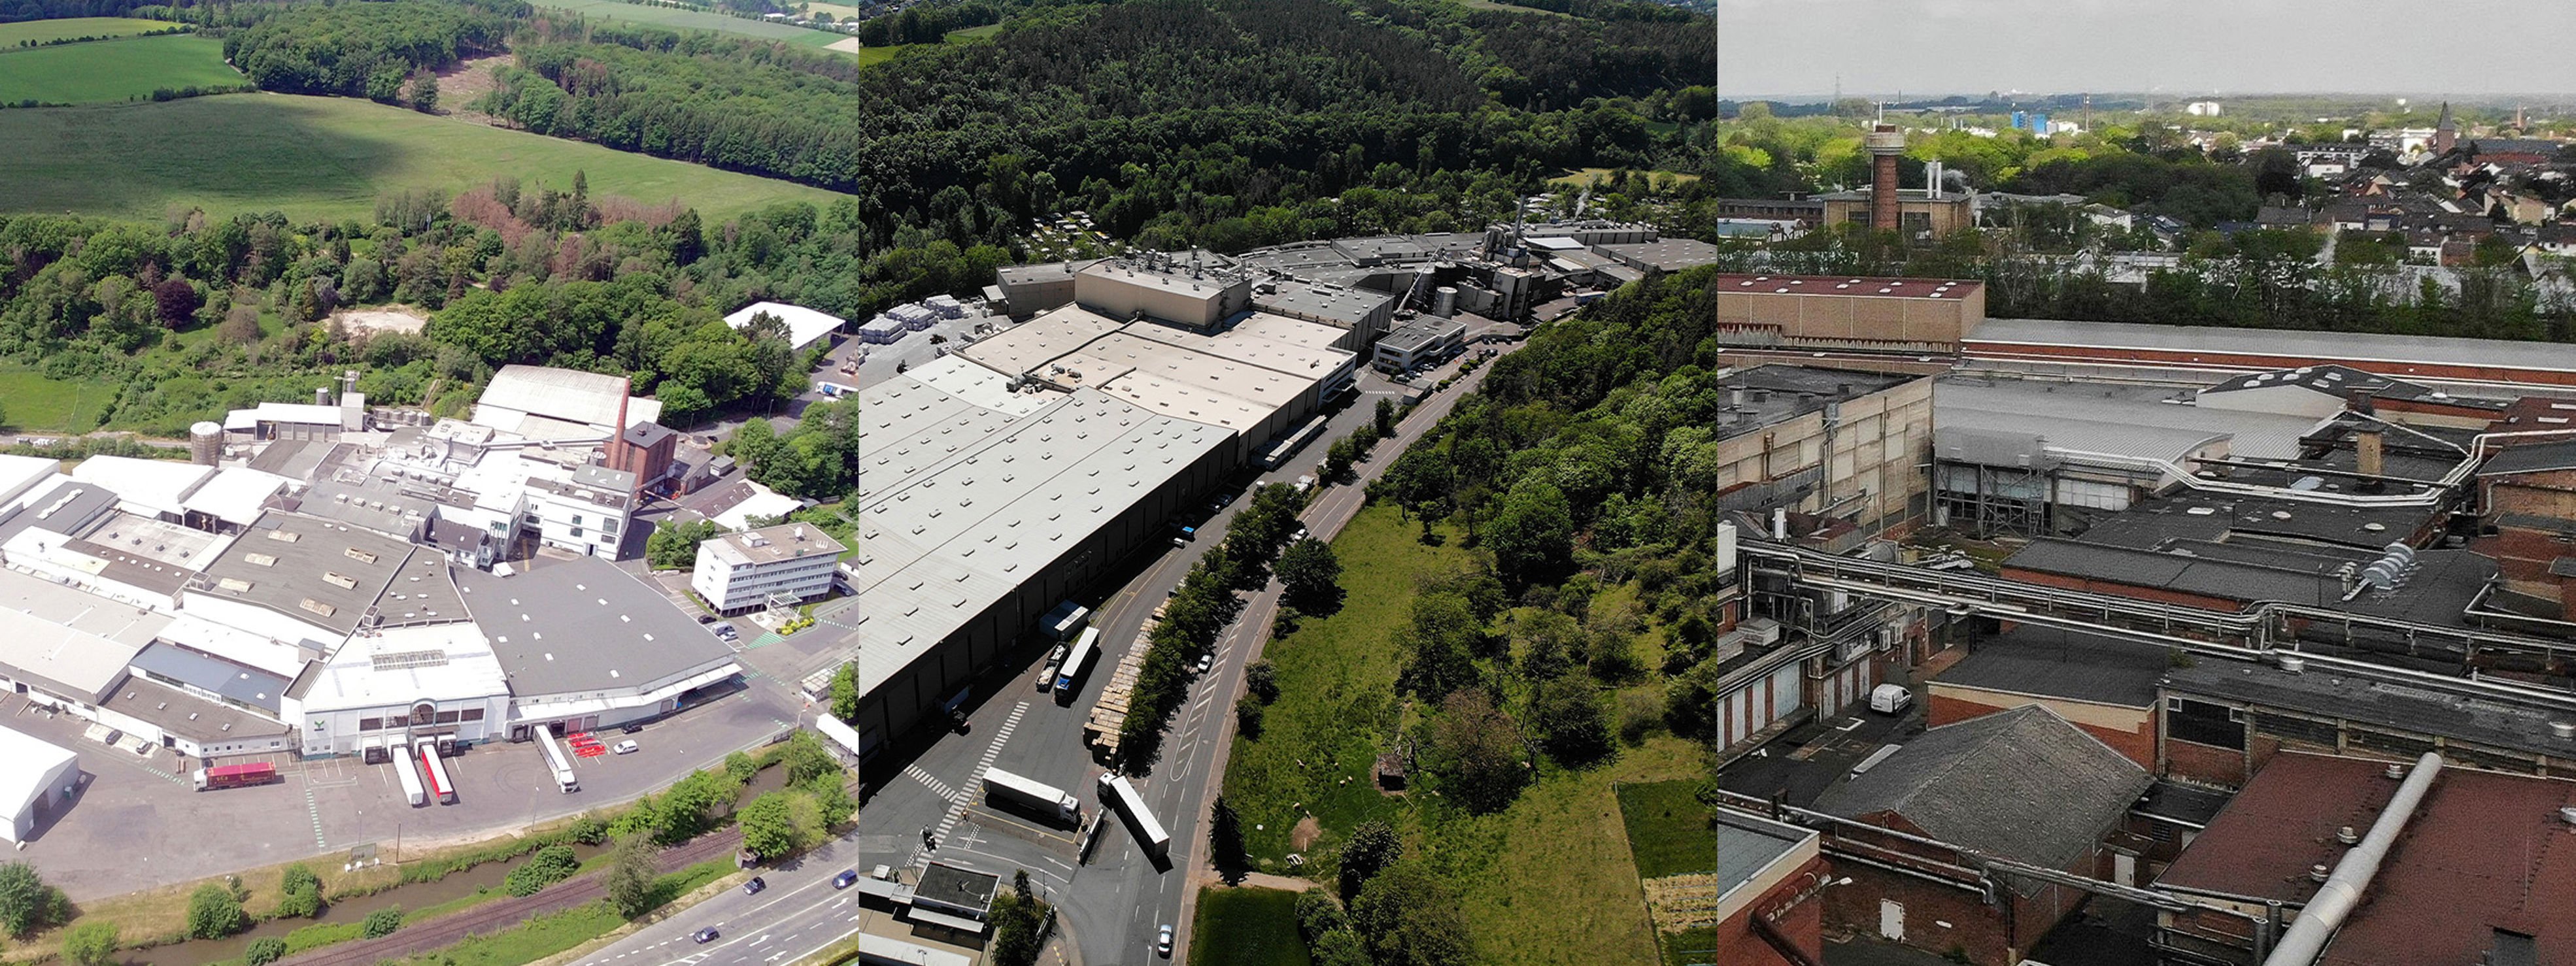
<point x="547" y="935"/>
<point x="1247" y="927"/>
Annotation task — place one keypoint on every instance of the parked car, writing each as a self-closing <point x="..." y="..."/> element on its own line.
<point x="1890" y="698"/>
<point x="627" y="748"/>
<point x="704" y="936"/>
<point x="1305" y="483"/>
<point x="1207" y="661"/>
<point x="1163" y="942"/>
<point x="754" y="886"/>
<point x="1301" y="534"/>
<point x="846" y="879"/>
<point x="706" y="618"/>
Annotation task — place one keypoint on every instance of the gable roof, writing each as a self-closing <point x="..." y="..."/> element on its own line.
<point x="2022" y="784"/>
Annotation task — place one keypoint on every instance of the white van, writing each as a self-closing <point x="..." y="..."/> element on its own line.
<point x="1890" y="698"/>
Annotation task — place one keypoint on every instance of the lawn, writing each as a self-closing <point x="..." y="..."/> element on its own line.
<point x="48" y="31"/>
<point x="1247" y="927"/>
<point x="546" y="935"/>
<point x="31" y="403"/>
<point x="1667" y="828"/>
<point x="678" y="19"/>
<point x="1336" y="705"/>
<point x="113" y="70"/>
<point x="315" y="158"/>
<point x="1548" y="880"/>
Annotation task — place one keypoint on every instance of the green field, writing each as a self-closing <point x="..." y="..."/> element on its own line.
<point x="35" y="405"/>
<point x="677" y="19"/>
<point x="1247" y="927"/>
<point x="47" y="31"/>
<point x="1667" y="828"/>
<point x="114" y="70"/>
<point x="316" y="157"/>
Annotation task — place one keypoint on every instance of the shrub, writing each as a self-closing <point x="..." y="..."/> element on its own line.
<point x="299" y="893"/>
<point x="383" y="922"/>
<point x="215" y="912"/>
<point x="264" y="950"/>
<point x="550" y="865"/>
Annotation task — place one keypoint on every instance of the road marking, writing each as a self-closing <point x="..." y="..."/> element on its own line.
<point x="316" y="811"/>
<point x="957" y="798"/>
<point x="937" y="787"/>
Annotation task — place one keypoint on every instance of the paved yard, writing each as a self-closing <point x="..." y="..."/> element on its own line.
<point x="138" y="821"/>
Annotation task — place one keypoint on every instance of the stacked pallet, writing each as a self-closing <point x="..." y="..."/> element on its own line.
<point x="1109" y="714"/>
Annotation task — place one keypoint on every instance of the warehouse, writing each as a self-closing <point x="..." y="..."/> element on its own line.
<point x="586" y="645"/>
<point x="35" y="773"/>
<point x="973" y="522"/>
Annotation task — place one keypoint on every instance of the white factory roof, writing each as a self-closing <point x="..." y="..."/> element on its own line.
<point x="31" y="762"/>
<point x="20" y="475"/>
<point x="767" y="545"/>
<point x="570" y="395"/>
<point x="285" y="659"/>
<point x="1281" y="328"/>
<point x="400" y="665"/>
<point x="147" y="487"/>
<point x="78" y="641"/>
<point x="763" y="502"/>
<point x="908" y="428"/>
<point x="804" y="325"/>
<point x="973" y="384"/>
<point x="2110" y="418"/>
<point x="1252" y="348"/>
<point x="2388" y="354"/>
<point x="235" y="495"/>
<point x="1029" y="346"/>
<point x="937" y="547"/>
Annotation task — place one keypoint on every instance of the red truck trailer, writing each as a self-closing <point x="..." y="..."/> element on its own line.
<point x="237" y="776"/>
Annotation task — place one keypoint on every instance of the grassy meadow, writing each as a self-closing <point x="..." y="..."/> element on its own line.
<point x="316" y="157"/>
<point x="1247" y="927"/>
<point x="1549" y="880"/>
<point x="112" y="70"/>
<point x="678" y="19"/>
<point x="48" y="31"/>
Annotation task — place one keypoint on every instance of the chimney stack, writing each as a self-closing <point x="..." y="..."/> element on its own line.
<point x="1886" y="144"/>
<point x="2366" y="451"/>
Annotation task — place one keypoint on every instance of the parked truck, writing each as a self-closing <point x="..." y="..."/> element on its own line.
<point x="237" y="776"/>
<point x="1032" y="797"/>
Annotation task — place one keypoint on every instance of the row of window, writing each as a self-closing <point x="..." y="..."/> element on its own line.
<point x="442" y="717"/>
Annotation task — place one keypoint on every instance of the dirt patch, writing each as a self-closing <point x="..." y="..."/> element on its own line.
<point x="846" y="45"/>
<point x="1304" y="835"/>
<point x="390" y="318"/>
<point x="467" y="82"/>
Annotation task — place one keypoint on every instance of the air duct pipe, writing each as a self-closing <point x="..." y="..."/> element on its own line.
<point x="2306" y="939"/>
<point x="2459" y="474"/>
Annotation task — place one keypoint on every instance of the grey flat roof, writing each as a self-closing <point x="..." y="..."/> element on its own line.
<point x="1670" y="254"/>
<point x="2384" y="704"/>
<point x="2392" y="350"/>
<point x="580" y="625"/>
<point x="1747" y="844"/>
<point x="957" y="887"/>
<point x="2051" y="663"/>
<point x="1788" y="392"/>
<point x="286" y="559"/>
<point x="65" y="508"/>
<point x="1421" y="332"/>
<point x="187" y="715"/>
<point x="247" y="685"/>
<point x="2110" y="418"/>
<point x="1347" y="307"/>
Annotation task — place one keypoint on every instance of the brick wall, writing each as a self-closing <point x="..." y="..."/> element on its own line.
<point x="1803" y="923"/>
<point x="2204" y="763"/>
<point x="2136" y="742"/>
<point x="1975" y="928"/>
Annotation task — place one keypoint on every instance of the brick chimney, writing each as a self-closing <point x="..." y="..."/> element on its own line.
<point x="1886" y="144"/>
<point x="2367" y="457"/>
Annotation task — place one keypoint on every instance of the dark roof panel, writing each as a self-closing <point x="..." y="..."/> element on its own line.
<point x="2022" y="784"/>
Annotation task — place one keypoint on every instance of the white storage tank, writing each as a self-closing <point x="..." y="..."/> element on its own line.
<point x="206" y="443"/>
<point x="1444" y="301"/>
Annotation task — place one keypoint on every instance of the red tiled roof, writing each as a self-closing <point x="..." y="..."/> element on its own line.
<point x="2486" y="850"/>
<point x="1912" y="288"/>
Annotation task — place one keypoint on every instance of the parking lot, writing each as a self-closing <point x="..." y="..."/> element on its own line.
<point x="138" y="821"/>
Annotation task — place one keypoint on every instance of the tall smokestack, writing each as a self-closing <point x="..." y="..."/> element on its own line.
<point x="1886" y="144"/>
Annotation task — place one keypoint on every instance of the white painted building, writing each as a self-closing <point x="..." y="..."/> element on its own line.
<point x="586" y="512"/>
<point x="741" y="571"/>
<point x="387" y="688"/>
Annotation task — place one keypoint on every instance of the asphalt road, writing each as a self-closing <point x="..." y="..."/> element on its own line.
<point x="797" y="914"/>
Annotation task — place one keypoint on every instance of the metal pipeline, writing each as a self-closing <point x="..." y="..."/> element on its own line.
<point x="2307" y="936"/>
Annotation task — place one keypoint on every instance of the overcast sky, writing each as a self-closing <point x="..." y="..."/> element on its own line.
<point x="2459" y="47"/>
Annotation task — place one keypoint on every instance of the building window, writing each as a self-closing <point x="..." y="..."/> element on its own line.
<point x="2204" y="723"/>
<point x="576" y="532"/>
<point x="576" y="519"/>
<point x="473" y="714"/>
<point x="447" y="717"/>
<point x="371" y="724"/>
<point x="423" y="713"/>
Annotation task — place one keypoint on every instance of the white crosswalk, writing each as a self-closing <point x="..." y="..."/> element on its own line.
<point x="937" y="787"/>
<point x="957" y="797"/>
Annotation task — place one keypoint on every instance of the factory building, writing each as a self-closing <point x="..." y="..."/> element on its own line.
<point x="1818" y="312"/>
<point x="782" y="565"/>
